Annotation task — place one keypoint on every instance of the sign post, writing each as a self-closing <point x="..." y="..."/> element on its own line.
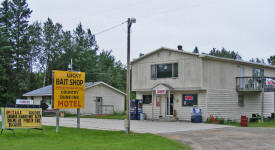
<point x="68" y="92"/>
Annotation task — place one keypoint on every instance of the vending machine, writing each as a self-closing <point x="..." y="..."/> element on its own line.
<point x="135" y="109"/>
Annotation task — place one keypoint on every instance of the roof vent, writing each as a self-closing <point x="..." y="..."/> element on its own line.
<point x="180" y="47"/>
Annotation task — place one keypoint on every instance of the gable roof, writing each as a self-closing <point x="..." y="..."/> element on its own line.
<point x="163" y="84"/>
<point x="206" y="56"/>
<point x="47" y="90"/>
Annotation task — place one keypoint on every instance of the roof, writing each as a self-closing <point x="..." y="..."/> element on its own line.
<point x="47" y="90"/>
<point x="204" y="56"/>
<point x="164" y="84"/>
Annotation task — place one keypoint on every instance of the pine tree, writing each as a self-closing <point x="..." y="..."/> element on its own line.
<point x="225" y="53"/>
<point x="51" y="49"/>
<point x="6" y="94"/>
<point x="271" y="60"/>
<point x="14" y="21"/>
<point x="196" y="50"/>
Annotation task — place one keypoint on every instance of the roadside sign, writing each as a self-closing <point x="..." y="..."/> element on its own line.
<point x="68" y="89"/>
<point x="21" y="118"/>
<point x="24" y="102"/>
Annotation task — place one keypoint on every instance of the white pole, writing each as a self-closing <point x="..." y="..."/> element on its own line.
<point x="78" y="109"/>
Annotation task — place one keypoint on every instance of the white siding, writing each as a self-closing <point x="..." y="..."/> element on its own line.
<point x="253" y="104"/>
<point x="36" y="100"/>
<point x="189" y="70"/>
<point x="109" y="97"/>
<point x="223" y="103"/>
<point x="214" y="76"/>
<point x="184" y="112"/>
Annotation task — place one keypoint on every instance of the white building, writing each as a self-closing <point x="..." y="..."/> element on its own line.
<point x="100" y="98"/>
<point x="171" y="81"/>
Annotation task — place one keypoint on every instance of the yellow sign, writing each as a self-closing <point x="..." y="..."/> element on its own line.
<point x="69" y="89"/>
<point x="22" y="117"/>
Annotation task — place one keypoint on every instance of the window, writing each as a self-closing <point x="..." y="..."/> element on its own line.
<point x="147" y="99"/>
<point x="164" y="70"/>
<point x="256" y="72"/>
<point x="153" y="72"/>
<point x="241" y="100"/>
<point x="189" y="99"/>
<point x="46" y="99"/>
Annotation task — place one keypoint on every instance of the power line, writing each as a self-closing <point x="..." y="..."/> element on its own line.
<point x="108" y="29"/>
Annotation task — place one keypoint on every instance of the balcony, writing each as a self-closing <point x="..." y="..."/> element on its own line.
<point x="255" y="84"/>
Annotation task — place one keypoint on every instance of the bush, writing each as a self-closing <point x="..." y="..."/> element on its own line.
<point x="208" y="120"/>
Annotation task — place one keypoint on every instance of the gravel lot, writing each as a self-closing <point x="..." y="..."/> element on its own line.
<point x="227" y="138"/>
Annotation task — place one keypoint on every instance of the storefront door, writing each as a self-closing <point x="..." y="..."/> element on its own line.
<point x="170" y="105"/>
<point x="162" y="105"/>
<point x="98" y="105"/>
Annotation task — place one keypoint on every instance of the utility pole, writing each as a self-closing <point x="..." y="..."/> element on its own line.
<point x="127" y="121"/>
<point x="262" y="113"/>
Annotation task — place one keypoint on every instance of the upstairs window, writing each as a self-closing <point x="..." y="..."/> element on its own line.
<point x="164" y="70"/>
<point x="256" y="72"/>
<point x="241" y="100"/>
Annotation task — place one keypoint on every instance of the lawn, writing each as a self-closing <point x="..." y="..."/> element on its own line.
<point x="84" y="139"/>
<point x="265" y="124"/>
<point x="120" y="116"/>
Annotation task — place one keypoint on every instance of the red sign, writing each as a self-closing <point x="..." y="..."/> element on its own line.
<point x="188" y="98"/>
<point x="160" y="91"/>
<point x="270" y="81"/>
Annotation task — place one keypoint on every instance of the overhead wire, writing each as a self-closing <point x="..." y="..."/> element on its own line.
<point x="108" y="29"/>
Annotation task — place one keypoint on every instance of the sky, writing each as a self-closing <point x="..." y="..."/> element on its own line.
<point x="246" y="26"/>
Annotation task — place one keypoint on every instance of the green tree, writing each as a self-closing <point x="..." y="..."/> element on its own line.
<point x="271" y="60"/>
<point x="6" y="94"/>
<point x="225" y="53"/>
<point x="14" y="21"/>
<point x="51" y="50"/>
<point x="196" y="50"/>
<point x="257" y="60"/>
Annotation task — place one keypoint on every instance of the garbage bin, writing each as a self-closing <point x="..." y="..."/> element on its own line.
<point x="142" y="116"/>
<point x="244" y="121"/>
<point x="196" y="115"/>
<point x="196" y="119"/>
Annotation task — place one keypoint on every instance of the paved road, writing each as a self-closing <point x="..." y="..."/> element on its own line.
<point x="136" y="126"/>
<point x="227" y="138"/>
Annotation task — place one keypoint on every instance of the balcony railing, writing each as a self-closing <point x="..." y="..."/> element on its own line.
<point x="254" y="83"/>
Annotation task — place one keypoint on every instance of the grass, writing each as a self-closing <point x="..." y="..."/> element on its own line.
<point x="265" y="124"/>
<point x="120" y="116"/>
<point x="84" y="139"/>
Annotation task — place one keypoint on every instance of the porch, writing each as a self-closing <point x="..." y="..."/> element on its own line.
<point x="255" y="84"/>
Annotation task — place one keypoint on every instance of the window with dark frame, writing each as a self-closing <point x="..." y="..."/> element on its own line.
<point x="147" y="99"/>
<point x="189" y="99"/>
<point x="164" y="70"/>
<point x="257" y="72"/>
<point x="241" y="100"/>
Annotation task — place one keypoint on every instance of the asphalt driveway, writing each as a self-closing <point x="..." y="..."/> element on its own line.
<point x="236" y="138"/>
<point x="136" y="125"/>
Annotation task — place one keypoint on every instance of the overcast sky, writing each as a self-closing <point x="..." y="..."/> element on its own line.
<point x="246" y="26"/>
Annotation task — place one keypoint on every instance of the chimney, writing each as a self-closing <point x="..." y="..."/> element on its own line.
<point x="180" y="47"/>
